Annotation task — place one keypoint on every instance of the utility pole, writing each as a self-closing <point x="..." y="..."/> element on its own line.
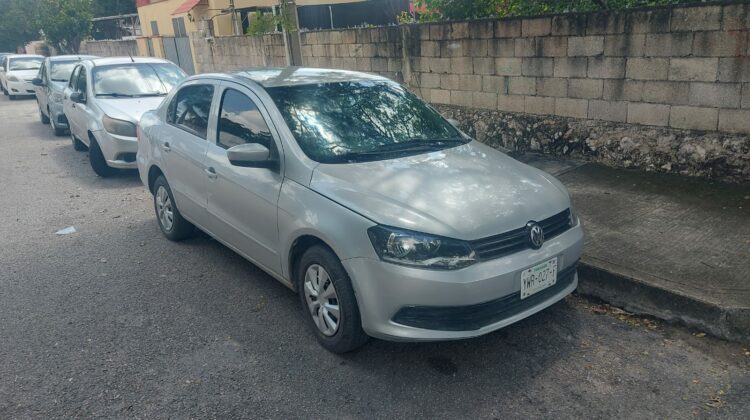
<point x="235" y="23"/>
<point x="291" y="32"/>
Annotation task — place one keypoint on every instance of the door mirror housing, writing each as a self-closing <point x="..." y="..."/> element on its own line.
<point x="78" y="97"/>
<point x="251" y="155"/>
<point x="37" y="82"/>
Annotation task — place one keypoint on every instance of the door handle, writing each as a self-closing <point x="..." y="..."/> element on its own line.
<point x="167" y="147"/>
<point x="211" y="172"/>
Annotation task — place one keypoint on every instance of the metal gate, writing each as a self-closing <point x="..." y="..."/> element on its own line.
<point x="177" y="50"/>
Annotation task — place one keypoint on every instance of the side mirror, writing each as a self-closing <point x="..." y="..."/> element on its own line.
<point x="78" y="97"/>
<point x="454" y="122"/>
<point x="37" y="82"/>
<point x="250" y="155"/>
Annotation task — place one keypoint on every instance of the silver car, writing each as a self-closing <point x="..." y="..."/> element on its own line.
<point x="50" y="83"/>
<point x="104" y="100"/>
<point x="385" y="218"/>
<point x="16" y="73"/>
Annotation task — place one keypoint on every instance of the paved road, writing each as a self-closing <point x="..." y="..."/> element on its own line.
<point x="116" y="321"/>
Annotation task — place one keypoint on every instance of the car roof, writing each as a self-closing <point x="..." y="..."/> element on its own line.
<point x="71" y="57"/>
<point x="290" y="76"/>
<point x="105" y="61"/>
<point x="25" y="56"/>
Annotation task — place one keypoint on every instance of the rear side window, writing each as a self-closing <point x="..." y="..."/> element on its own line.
<point x="241" y="122"/>
<point x="190" y="107"/>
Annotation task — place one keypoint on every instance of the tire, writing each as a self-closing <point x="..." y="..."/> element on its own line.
<point x="60" y="131"/>
<point x="43" y="118"/>
<point x="12" y="97"/>
<point x="348" y="334"/>
<point x="77" y="144"/>
<point x="98" y="162"/>
<point x="179" y="228"/>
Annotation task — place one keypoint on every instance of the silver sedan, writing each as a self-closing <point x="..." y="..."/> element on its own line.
<point x="386" y="219"/>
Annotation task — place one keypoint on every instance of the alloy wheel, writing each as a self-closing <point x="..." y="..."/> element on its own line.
<point x="164" y="208"/>
<point x="322" y="300"/>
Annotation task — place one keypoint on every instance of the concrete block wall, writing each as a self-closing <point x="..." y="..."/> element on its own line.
<point x="238" y="52"/>
<point x="113" y="48"/>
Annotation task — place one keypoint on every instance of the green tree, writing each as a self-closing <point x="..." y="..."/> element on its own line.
<point x="65" y="23"/>
<point x="17" y="26"/>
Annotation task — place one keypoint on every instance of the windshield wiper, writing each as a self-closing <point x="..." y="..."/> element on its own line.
<point x="147" y="95"/>
<point x="115" y="95"/>
<point x="409" y="146"/>
<point x="60" y="80"/>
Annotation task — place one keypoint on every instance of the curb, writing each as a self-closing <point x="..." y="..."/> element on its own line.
<point x="609" y="283"/>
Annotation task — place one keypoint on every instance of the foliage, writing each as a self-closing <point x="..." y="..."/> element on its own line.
<point x="16" y="24"/>
<point x="470" y="9"/>
<point x="65" y="23"/>
<point x="262" y="23"/>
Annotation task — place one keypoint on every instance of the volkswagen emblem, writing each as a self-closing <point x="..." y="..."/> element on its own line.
<point x="536" y="235"/>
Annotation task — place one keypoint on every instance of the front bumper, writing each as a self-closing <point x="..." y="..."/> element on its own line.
<point x="484" y="295"/>
<point x="119" y="151"/>
<point x="22" y="87"/>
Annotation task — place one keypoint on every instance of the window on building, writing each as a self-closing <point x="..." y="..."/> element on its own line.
<point x="154" y="28"/>
<point x="178" y="24"/>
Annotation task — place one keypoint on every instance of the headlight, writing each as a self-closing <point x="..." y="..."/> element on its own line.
<point x="419" y="249"/>
<point x="13" y="78"/>
<point x="119" y="127"/>
<point x="573" y="216"/>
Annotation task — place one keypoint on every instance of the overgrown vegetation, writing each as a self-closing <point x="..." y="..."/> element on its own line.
<point x="65" y="23"/>
<point x="471" y="9"/>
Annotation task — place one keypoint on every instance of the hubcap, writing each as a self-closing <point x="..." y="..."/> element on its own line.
<point x="322" y="300"/>
<point x="164" y="208"/>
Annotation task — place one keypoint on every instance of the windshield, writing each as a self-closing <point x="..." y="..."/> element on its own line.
<point x="31" y="63"/>
<point x="136" y="79"/>
<point x="60" y="71"/>
<point x="361" y="120"/>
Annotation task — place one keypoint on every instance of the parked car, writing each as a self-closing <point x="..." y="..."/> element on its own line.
<point x="18" y="72"/>
<point x="104" y="100"/>
<point x="384" y="217"/>
<point x="50" y="83"/>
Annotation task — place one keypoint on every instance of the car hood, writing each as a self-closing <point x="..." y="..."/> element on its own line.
<point x="24" y="74"/>
<point x="128" y="109"/>
<point x="466" y="192"/>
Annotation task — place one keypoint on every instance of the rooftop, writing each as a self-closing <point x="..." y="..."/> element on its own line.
<point x="287" y="76"/>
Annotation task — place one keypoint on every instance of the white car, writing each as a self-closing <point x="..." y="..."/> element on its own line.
<point x="104" y="100"/>
<point x="18" y="71"/>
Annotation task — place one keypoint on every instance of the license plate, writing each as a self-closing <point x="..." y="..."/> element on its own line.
<point x="538" y="277"/>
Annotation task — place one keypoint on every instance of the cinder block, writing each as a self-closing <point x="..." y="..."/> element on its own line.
<point x="395" y="65"/>
<point x="575" y="108"/>
<point x="606" y="67"/>
<point x="720" y="44"/>
<point x="438" y="65"/>
<point x="462" y="65"/>
<point x="572" y="24"/>
<point x="429" y="49"/>
<point x="379" y="64"/>
<point x="745" y="95"/>
<point x="461" y="98"/>
<point x="348" y="36"/>
<point x="671" y="93"/>
<point x="541" y="67"/>
<point x="647" y="68"/>
<point x="552" y="86"/>
<point x="363" y="36"/>
<point x="539" y="105"/>
<point x="570" y="67"/>
<point x="648" y="114"/>
<point x="484" y="99"/>
<point x="736" y="17"/>
<point x="451" y="48"/>
<point x="439" y="31"/>
<point x="459" y="30"/>
<point x="522" y="86"/>
<point x="585" y="46"/>
<point x="734" y="120"/>
<point x="720" y="95"/>
<point x="552" y="46"/>
<point x="496" y="84"/>
<point x="605" y="23"/>
<point x="700" y="18"/>
<point x="481" y="29"/>
<point x="449" y="81"/>
<point x="508" y="28"/>
<point x="440" y="96"/>
<point x="510" y="103"/>
<point x="693" y="118"/>
<point x="319" y="50"/>
<point x="693" y="69"/>
<point x="669" y="45"/>
<point x="624" y="45"/>
<point x="475" y="47"/>
<point x="525" y="47"/>
<point x="364" y="63"/>
<point x="734" y="69"/>
<point x="429" y="80"/>
<point x="508" y="66"/>
<point x="647" y="21"/>
<point x="335" y="37"/>
<point x="608" y="110"/>
<point x="536" y="27"/>
<point x="471" y="82"/>
<point x="585" y="88"/>
<point x="502" y="47"/>
<point x="484" y="65"/>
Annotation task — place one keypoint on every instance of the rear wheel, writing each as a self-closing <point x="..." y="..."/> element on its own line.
<point x="98" y="162"/>
<point x="328" y="299"/>
<point x="171" y="222"/>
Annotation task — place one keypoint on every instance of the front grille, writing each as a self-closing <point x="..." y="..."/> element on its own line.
<point x="474" y="317"/>
<point x="517" y="239"/>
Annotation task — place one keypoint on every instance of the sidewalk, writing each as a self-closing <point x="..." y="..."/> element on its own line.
<point x="673" y="247"/>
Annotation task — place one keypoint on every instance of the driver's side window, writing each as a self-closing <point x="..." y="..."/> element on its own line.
<point x="190" y="108"/>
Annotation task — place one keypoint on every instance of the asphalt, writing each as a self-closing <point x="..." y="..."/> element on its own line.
<point x="115" y="321"/>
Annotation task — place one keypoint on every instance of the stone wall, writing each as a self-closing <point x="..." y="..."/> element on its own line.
<point x="113" y="48"/>
<point x="237" y="52"/>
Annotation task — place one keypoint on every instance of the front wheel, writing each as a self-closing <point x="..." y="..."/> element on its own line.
<point x="328" y="300"/>
<point x="12" y="97"/>
<point x="171" y="222"/>
<point x="98" y="162"/>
